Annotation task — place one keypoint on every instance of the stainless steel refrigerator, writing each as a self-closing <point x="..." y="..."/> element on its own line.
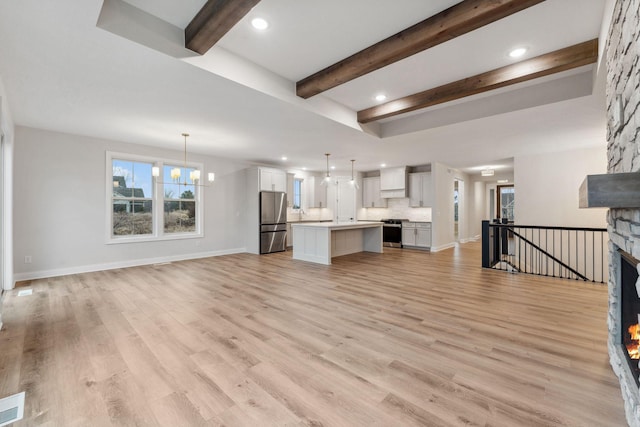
<point x="273" y="221"/>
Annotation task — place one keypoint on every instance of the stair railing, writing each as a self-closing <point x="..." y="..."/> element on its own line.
<point x="566" y="252"/>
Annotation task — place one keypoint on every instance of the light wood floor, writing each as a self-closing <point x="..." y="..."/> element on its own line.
<point x="404" y="338"/>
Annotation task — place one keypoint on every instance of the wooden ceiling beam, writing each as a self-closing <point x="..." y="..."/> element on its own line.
<point x="213" y="21"/>
<point x="544" y="65"/>
<point x="459" y="19"/>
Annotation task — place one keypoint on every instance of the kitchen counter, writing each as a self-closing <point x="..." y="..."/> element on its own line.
<point x="295" y="221"/>
<point x="320" y="241"/>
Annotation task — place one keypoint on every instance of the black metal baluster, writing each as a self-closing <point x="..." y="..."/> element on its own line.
<point x="561" y="244"/>
<point x="584" y="241"/>
<point x="546" y="249"/>
<point x="569" y="252"/>
<point x="577" y="262"/>
<point x="593" y="255"/>
<point x="602" y="263"/>
<point x="520" y="252"/>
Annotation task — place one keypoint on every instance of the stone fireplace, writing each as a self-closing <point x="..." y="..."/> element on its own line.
<point x="629" y="303"/>
<point x="623" y="150"/>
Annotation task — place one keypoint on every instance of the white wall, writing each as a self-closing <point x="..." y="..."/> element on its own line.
<point x="60" y="207"/>
<point x="7" y="128"/>
<point x="547" y="188"/>
<point x="442" y="214"/>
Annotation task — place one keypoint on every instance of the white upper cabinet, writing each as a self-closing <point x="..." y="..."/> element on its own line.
<point x="393" y="182"/>
<point x="316" y="192"/>
<point x="371" y="193"/>
<point x="420" y="190"/>
<point x="273" y="179"/>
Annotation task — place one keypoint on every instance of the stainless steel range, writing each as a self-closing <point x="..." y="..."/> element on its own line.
<point x="392" y="232"/>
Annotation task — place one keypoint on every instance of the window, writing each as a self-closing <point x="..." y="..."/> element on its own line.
<point x="141" y="210"/>
<point x="506" y="201"/>
<point x="179" y="202"/>
<point x="296" y="203"/>
<point x="132" y="201"/>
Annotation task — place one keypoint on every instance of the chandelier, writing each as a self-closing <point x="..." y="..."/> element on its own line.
<point x="327" y="178"/>
<point x="175" y="173"/>
<point x="353" y="182"/>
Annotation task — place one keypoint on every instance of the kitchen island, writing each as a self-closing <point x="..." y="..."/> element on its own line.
<point x="320" y="241"/>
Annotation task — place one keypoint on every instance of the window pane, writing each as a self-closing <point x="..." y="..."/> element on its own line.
<point x="131" y="179"/>
<point x="178" y="187"/>
<point x="179" y="216"/>
<point x="297" y="194"/>
<point x="507" y="202"/>
<point x="172" y="191"/>
<point x="132" y="217"/>
<point x="132" y="187"/>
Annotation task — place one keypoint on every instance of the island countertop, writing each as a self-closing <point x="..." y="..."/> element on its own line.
<point x="320" y="241"/>
<point x="338" y="225"/>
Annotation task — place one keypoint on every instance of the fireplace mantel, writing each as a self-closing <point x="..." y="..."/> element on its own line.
<point x="615" y="190"/>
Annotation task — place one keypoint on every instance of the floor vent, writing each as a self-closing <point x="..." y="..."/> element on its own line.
<point x="11" y="409"/>
<point x="25" y="292"/>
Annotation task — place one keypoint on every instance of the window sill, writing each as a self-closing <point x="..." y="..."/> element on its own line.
<point x="151" y="238"/>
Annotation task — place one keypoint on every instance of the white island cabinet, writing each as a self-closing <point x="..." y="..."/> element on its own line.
<point x="320" y="241"/>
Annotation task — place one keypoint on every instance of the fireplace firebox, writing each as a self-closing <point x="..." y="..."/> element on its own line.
<point x="630" y="312"/>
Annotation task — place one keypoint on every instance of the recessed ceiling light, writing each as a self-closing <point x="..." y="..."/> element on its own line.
<point x="383" y="165"/>
<point x="284" y="157"/>
<point x="333" y="167"/>
<point x="518" y="52"/>
<point x="381" y="97"/>
<point x="304" y="168"/>
<point x="259" y="23"/>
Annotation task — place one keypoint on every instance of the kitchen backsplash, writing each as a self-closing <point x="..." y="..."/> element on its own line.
<point x="311" y="214"/>
<point x="398" y="209"/>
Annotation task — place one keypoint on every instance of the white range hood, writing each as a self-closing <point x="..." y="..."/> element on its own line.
<point x="393" y="182"/>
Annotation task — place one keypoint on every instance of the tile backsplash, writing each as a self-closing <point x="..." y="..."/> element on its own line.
<point x="396" y="208"/>
<point x="310" y="214"/>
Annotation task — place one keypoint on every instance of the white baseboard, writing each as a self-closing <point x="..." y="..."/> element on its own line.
<point x="469" y="239"/>
<point x="43" y="274"/>
<point x="443" y="247"/>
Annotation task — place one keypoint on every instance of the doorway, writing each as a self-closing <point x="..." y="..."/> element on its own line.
<point x="506" y="202"/>
<point x="456" y="205"/>
<point x="458" y="209"/>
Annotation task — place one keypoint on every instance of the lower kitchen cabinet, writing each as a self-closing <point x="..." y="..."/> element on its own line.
<point x="416" y="234"/>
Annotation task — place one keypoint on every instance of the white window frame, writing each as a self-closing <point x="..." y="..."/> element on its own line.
<point x="157" y="199"/>
<point x="293" y="193"/>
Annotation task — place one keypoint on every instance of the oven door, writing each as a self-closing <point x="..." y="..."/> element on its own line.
<point x="392" y="235"/>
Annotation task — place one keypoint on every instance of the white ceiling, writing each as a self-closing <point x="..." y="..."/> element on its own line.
<point x="64" y="73"/>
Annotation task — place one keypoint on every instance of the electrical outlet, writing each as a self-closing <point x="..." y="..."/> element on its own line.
<point x="27" y="259"/>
